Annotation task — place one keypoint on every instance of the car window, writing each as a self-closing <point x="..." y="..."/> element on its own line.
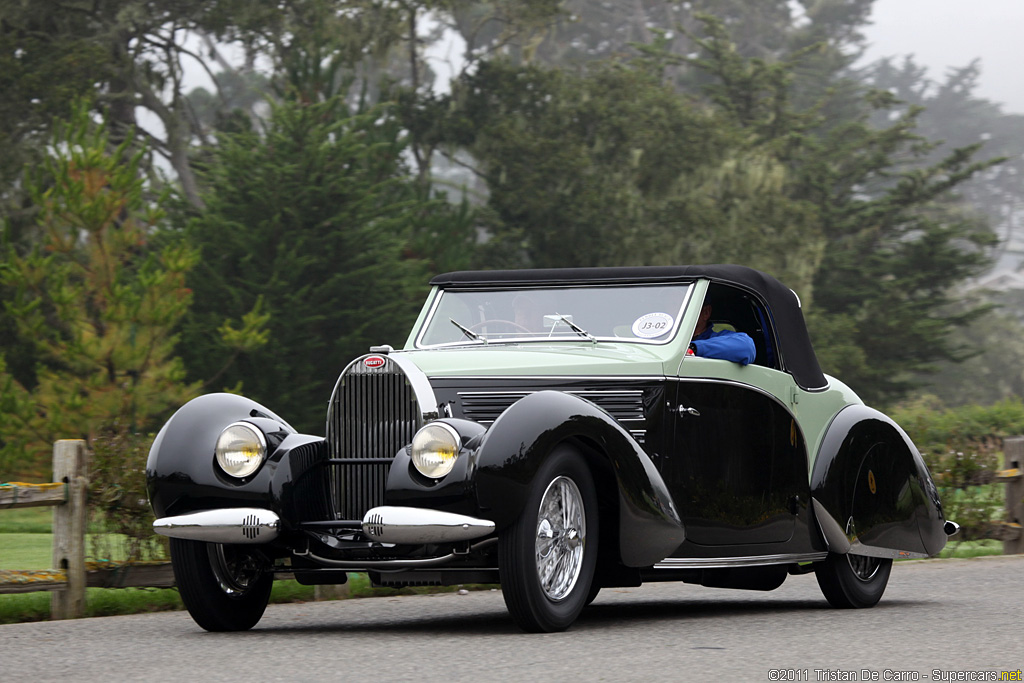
<point x="737" y="310"/>
<point x="631" y="313"/>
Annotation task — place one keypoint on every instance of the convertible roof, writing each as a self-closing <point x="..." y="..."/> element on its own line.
<point x="795" y="345"/>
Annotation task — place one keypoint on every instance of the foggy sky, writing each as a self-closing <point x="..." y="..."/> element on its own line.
<point x="951" y="33"/>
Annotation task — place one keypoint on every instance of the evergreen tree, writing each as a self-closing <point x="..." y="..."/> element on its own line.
<point x="614" y="166"/>
<point x="314" y="239"/>
<point x="93" y="301"/>
<point x="895" y="243"/>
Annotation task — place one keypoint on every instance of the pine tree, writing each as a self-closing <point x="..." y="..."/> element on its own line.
<point x="317" y="226"/>
<point x="95" y="303"/>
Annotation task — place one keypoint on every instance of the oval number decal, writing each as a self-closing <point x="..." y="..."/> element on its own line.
<point x="652" y="325"/>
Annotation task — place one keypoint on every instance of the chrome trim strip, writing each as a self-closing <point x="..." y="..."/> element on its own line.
<point x="392" y="524"/>
<point x="638" y="392"/>
<point x="726" y="562"/>
<point x="615" y="378"/>
<point x="228" y="525"/>
<point x="420" y="385"/>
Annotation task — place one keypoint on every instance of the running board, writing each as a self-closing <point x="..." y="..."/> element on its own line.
<point x="726" y="562"/>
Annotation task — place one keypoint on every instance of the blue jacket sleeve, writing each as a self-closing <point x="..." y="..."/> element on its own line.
<point x="726" y="345"/>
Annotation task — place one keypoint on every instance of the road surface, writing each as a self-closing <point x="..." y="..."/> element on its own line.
<point x="939" y="620"/>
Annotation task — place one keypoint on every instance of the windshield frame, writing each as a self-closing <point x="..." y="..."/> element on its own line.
<point x="568" y="335"/>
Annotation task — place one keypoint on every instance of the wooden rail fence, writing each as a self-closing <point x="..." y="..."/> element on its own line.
<point x="1012" y="474"/>
<point x="71" y="574"/>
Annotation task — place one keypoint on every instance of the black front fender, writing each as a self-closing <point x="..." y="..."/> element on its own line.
<point x="514" y="447"/>
<point x="871" y="490"/>
<point x="182" y="475"/>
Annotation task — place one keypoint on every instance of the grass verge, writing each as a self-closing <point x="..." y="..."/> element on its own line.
<point x="37" y="520"/>
<point x="105" y="602"/>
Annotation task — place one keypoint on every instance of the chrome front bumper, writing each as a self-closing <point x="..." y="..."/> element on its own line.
<point x="228" y="525"/>
<point x="386" y="524"/>
<point x="389" y="524"/>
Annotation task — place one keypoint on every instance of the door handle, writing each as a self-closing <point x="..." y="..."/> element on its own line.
<point x="684" y="411"/>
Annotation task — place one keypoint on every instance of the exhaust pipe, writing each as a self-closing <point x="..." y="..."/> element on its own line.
<point x="229" y="525"/>
<point x="951" y="528"/>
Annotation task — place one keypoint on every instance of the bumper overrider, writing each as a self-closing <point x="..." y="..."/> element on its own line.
<point x="385" y="524"/>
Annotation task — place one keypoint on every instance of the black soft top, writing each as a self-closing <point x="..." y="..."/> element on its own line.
<point x="795" y="344"/>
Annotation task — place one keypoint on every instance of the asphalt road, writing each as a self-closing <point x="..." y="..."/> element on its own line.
<point x="944" y="616"/>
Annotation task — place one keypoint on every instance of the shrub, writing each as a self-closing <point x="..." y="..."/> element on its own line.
<point x="962" y="447"/>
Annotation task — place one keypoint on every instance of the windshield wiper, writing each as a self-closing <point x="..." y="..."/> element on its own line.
<point x="468" y="332"/>
<point x="576" y="328"/>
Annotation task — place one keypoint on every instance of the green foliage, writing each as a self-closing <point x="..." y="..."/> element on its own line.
<point x="892" y="246"/>
<point x="40" y="77"/>
<point x="315" y="245"/>
<point x="578" y="168"/>
<point x="92" y="301"/>
<point x="614" y="167"/>
<point x="962" y="447"/>
<point x="118" y="503"/>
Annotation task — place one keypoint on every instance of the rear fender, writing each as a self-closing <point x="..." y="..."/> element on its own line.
<point x="871" y="491"/>
<point x="514" y="447"/>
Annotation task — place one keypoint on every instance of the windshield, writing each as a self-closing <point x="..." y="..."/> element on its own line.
<point x="647" y="314"/>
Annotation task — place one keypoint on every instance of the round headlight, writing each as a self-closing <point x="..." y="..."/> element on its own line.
<point x="241" y="449"/>
<point x="434" y="449"/>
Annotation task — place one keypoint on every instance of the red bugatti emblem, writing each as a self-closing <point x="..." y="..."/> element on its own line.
<point x="373" y="362"/>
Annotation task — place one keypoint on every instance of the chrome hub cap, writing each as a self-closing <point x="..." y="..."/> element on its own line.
<point x="561" y="538"/>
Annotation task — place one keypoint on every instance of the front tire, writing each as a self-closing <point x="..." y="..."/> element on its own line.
<point x="224" y="587"/>
<point x="548" y="556"/>
<point x="853" y="581"/>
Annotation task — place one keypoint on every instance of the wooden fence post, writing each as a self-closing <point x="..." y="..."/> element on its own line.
<point x="69" y="529"/>
<point x="1013" y="476"/>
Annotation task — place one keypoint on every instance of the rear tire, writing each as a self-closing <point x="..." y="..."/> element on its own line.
<point x="548" y="556"/>
<point x="224" y="587"/>
<point x="853" y="581"/>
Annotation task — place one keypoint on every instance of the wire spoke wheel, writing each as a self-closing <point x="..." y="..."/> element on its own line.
<point x="561" y="535"/>
<point x="548" y="556"/>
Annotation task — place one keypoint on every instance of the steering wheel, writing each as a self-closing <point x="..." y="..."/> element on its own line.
<point x="496" y="321"/>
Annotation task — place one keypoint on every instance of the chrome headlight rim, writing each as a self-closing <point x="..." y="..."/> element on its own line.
<point x="250" y="465"/>
<point x="435" y="470"/>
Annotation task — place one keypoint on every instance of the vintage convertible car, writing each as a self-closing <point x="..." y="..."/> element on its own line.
<point x="552" y="431"/>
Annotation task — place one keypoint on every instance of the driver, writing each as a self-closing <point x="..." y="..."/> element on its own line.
<point x="724" y="344"/>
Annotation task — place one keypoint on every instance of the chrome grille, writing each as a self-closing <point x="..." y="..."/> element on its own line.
<point x="626" y="405"/>
<point x="373" y="413"/>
